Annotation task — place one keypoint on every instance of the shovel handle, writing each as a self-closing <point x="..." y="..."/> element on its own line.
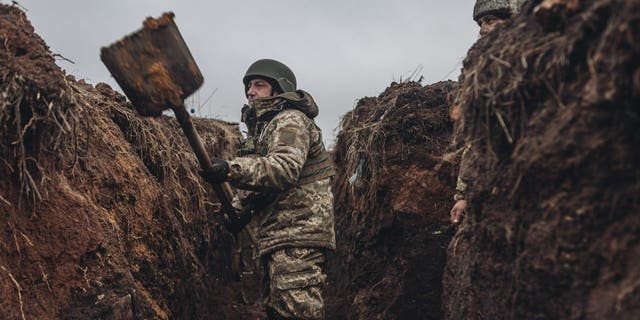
<point x="222" y="190"/>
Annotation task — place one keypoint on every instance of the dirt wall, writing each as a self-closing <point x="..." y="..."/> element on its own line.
<point x="103" y="214"/>
<point x="393" y="192"/>
<point x="550" y="104"/>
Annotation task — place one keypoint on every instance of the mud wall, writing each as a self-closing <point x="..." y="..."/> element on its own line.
<point x="393" y="192"/>
<point x="102" y="213"/>
<point x="550" y="104"/>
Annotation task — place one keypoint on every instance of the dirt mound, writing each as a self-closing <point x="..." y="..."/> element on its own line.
<point x="25" y="54"/>
<point x="392" y="193"/>
<point x="550" y="103"/>
<point x="104" y="215"/>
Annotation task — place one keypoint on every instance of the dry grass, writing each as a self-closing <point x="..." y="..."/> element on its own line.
<point x="380" y="131"/>
<point x="33" y="124"/>
<point x="164" y="150"/>
<point x="497" y="80"/>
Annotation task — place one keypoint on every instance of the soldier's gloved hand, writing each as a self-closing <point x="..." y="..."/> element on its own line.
<point x="233" y="224"/>
<point x="217" y="173"/>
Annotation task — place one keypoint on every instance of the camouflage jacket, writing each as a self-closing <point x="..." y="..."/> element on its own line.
<point x="284" y="158"/>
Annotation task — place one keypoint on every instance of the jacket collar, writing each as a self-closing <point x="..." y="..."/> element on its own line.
<point x="300" y="100"/>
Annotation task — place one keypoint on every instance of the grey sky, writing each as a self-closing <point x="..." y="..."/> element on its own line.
<point x="340" y="50"/>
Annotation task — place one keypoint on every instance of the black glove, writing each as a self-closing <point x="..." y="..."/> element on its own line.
<point x="217" y="173"/>
<point x="236" y="223"/>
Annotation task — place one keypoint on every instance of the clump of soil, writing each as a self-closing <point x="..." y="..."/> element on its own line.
<point x="393" y="192"/>
<point x="103" y="213"/>
<point x="550" y="104"/>
<point x="25" y="54"/>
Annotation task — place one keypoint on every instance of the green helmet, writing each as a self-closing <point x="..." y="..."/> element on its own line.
<point x="504" y="7"/>
<point x="276" y="71"/>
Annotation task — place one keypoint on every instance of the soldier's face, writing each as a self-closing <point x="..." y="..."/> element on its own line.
<point x="488" y="23"/>
<point x="259" y="88"/>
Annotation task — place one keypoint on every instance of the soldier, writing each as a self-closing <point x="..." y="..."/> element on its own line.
<point x="488" y="14"/>
<point x="492" y="13"/>
<point x="286" y="171"/>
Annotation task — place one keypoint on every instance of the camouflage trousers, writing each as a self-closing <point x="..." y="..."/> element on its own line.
<point x="295" y="280"/>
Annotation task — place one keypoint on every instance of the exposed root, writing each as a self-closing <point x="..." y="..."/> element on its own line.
<point x="45" y="277"/>
<point x="27" y="239"/>
<point x="18" y="288"/>
<point x="84" y="275"/>
<point x="33" y="124"/>
<point x="5" y="201"/>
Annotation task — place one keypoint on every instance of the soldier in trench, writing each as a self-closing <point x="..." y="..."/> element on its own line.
<point x="488" y="14"/>
<point x="283" y="171"/>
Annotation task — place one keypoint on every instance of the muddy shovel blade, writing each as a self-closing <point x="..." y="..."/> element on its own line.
<point x="153" y="66"/>
<point x="156" y="71"/>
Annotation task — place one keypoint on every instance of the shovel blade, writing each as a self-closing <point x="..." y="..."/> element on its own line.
<point x="153" y="66"/>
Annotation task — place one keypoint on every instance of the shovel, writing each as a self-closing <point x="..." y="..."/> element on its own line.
<point x="156" y="71"/>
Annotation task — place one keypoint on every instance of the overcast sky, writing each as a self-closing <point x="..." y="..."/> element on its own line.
<point x="340" y="51"/>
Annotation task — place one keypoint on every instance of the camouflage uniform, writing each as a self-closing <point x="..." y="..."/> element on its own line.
<point x="284" y="161"/>
<point x="464" y="178"/>
<point x="295" y="283"/>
